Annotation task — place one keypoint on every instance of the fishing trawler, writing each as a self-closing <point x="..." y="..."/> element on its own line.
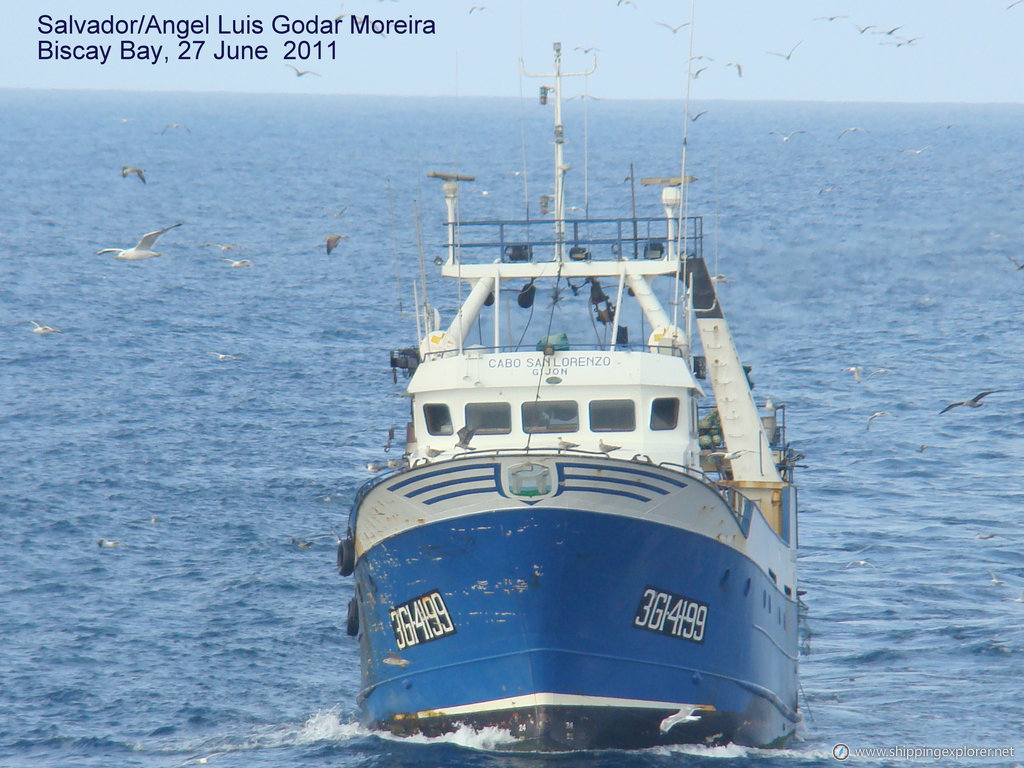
<point x="582" y="546"/>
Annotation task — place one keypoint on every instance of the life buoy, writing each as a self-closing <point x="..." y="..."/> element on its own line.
<point x="346" y="557"/>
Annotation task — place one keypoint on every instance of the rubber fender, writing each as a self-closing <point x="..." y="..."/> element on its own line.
<point x="352" y="620"/>
<point x="346" y="557"/>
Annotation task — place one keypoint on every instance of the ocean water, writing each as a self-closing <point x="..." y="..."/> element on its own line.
<point x="209" y="636"/>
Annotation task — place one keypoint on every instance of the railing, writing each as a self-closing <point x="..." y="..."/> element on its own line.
<point x="643" y="237"/>
<point x="620" y="346"/>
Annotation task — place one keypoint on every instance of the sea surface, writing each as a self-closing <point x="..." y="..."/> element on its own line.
<point x="214" y="420"/>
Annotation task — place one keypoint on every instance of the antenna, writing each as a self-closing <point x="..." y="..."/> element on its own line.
<point x="560" y="166"/>
<point x="681" y="233"/>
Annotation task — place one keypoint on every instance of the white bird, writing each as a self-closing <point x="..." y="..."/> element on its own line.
<point x="223" y="248"/>
<point x="374" y="467"/>
<point x="607" y="448"/>
<point x="396" y="463"/>
<point x="477" y="8"/>
<point x="880" y="371"/>
<point x="432" y="452"/>
<point x="1016" y="599"/>
<point x="856" y="371"/>
<point x="395" y="660"/>
<point x="175" y="125"/>
<point x="858" y="562"/>
<point x="994" y="580"/>
<point x="333" y="240"/>
<point x="108" y="543"/>
<point x="915" y="151"/>
<point x="786" y="136"/>
<point x="1018" y="265"/>
<point x="564" y="445"/>
<point x="851" y="130"/>
<point x="739" y="67"/>
<point x="875" y="415"/>
<point x="144" y="248"/>
<point x="239" y="262"/>
<point x="730" y="455"/>
<point x="786" y="56"/>
<point x="127" y="170"/>
<point x="223" y="358"/>
<point x="39" y="328"/>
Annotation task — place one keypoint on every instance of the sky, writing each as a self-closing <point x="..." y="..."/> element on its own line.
<point x="914" y="51"/>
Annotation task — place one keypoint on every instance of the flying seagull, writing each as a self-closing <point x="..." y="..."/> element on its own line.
<point x="301" y="72"/>
<point x="39" y="328"/>
<point x="856" y="370"/>
<point x="333" y="240"/>
<point x="786" y="56"/>
<point x="739" y="67"/>
<point x="674" y="29"/>
<point x="141" y="251"/>
<point x="974" y="402"/>
<point x="477" y="8"/>
<point x="126" y="170"/>
<point x="786" y="136"/>
<point x="1018" y="266"/>
<point x="238" y="262"/>
<point x="223" y="248"/>
<point x="875" y="415"/>
<point x="851" y="130"/>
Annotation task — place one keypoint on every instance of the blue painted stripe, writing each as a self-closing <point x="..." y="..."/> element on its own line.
<point x="448" y="483"/>
<point x="626" y="470"/>
<point x="456" y="494"/>
<point x="606" y="492"/>
<point x="618" y="480"/>
<point x="434" y="473"/>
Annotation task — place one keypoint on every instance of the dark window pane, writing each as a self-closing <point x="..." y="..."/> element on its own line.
<point x="489" y="418"/>
<point x="612" y="416"/>
<point x="551" y="416"/>
<point x="665" y="413"/>
<point x="439" y="420"/>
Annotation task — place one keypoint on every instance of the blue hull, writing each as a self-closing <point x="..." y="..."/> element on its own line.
<point x="574" y="629"/>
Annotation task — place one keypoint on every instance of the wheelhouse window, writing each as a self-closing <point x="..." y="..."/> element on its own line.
<point x="489" y="418"/>
<point x="612" y="416"/>
<point x="438" y="418"/>
<point x="664" y="413"/>
<point x="551" y="416"/>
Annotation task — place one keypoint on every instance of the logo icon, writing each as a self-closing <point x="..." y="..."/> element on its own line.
<point x="840" y="751"/>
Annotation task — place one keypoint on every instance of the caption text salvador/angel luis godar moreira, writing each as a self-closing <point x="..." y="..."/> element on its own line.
<point x="144" y="38"/>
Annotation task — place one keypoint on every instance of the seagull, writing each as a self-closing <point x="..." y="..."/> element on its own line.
<point x="674" y="29"/>
<point x="915" y="151"/>
<point x="396" y="463"/>
<point x="301" y="72"/>
<point x="175" y="125"/>
<point x="128" y="169"/>
<point x="862" y="30"/>
<point x="887" y="31"/>
<point x="374" y="467"/>
<point x="994" y="580"/>
<point x="301" y="543"/>
<point x="466" y="434"/>
<point x="564" y="445"/>
<point x="704" y="111"/>
<point x="224" y="358"/>
<point x="477" y="8"/>
<point x="1017" y="264"/>
<point x="108" y="543"/>
<point x="223" y="248"/>
<point x="880" y="371"/>
<point x="786" y="56"/>
<point x="339" y="213"/>
<point x="974" y="402"/>
<point x="239" y="262"/>
<point x="143" y="249"/>
<point x="875" y="415"/>
<point x="333" y="240"/>
<point x="586" y="50"/>
<point x="851" y="130"/>
<point x="697" y="73"/>
<point x="432" y="452"/>
<point x="730" y="455"/>
<point x="1016" y="599"/>
<point x="395" y="660"/>
<point x="625" y="2"/>
<point x="856" y="371"/>
<point x="829" y="18"/>
<point x="739" y="67"/>
<point x="43" y="328"/>
<point x="606" y="448"/>
<point x="786" y="136"/>
<point x="859" y="562"/>
<point x="1015" y="2"/>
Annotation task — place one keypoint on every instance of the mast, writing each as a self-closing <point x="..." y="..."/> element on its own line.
<point x="560" y="166"/>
